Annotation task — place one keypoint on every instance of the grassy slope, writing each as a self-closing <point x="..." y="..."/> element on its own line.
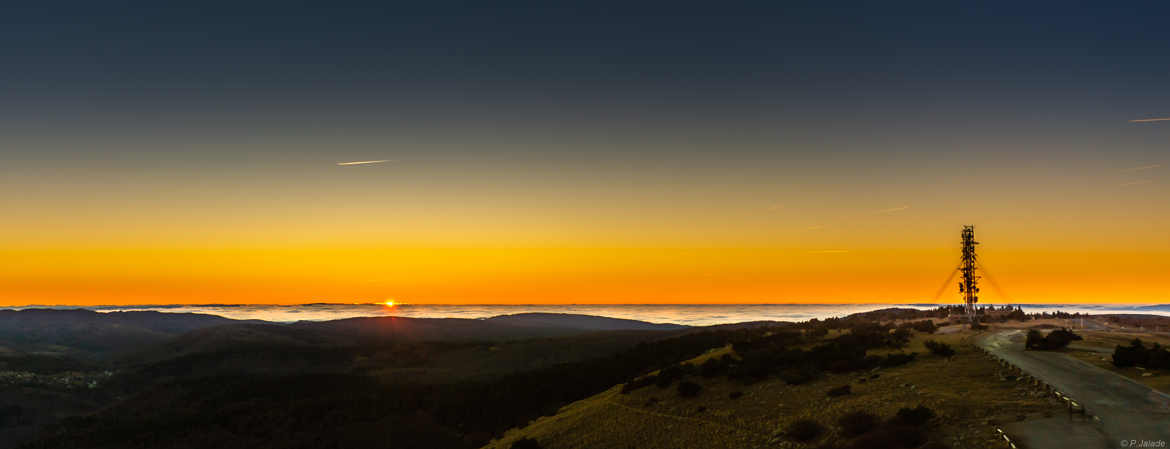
<point x="965" y="391"/>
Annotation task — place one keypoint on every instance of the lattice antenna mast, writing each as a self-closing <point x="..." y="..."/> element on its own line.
<point x="969" y="283"/>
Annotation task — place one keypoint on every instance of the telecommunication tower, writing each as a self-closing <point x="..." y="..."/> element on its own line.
<point x="969" y="284"/>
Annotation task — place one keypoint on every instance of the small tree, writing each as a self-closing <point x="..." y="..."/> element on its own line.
<point x="939" y="348"/>
<point x="526" y="443"/>
<point x="1132" y="355"/>
<point x="1057" y="339"/>
<point x="689" y="389"/>
<point x="840" y="391"/>
<point x="857" y="423"/>
<point x="1060" y="338"/>
<point x="1035" y="340"/>
<point x="804" y="430"/>
<point x="913" y="417"/>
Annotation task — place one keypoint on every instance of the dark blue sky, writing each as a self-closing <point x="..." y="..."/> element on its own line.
<point x="444" y="64"/>
<point x="675" y="45"/>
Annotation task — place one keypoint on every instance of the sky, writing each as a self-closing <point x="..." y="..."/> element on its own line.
<point x="532" y="152"/>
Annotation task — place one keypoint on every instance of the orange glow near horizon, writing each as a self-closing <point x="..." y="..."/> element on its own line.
<point x="555" y="231"/>
<point x="565" y="275"/>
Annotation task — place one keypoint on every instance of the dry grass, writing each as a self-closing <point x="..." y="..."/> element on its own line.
<point x="1158" y="380"/>
<point x="1097" y="349"/>
<point x="966" y="392"/>
<point x="1113" y="338"/>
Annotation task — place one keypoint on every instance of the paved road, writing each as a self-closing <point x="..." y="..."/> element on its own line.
<point x="1128" y="410"/>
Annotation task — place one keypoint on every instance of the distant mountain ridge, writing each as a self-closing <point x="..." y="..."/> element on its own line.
<point x="578" y="321"/>
<point x="151" y="335"/>
<point x="93" y="335"/>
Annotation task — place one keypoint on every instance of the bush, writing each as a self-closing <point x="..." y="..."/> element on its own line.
<point x="926" y="327"/>
<point x="688" y="389"/>
<point x="1057" y="339"/>
<point x="668" y="375"/>
<point x="526" y="443"/>
<point x="913" y="417"/>
<point x="1035" y="340"/>
<point x="891" y="438"/>
<point x="840" y="391"/>
<point x="797" y="376"/>
<point x="639" y="383"/>
<point x="857" y="423"/>
<point x="1124" y="356"/>
<point x="712" y="367"/>
<point x="1060" y="338"/>
<point x="899" y="338"/>
<point x="898" y="359"/>
<point x="939" y="348"/>
<point x="804" y="430"/>
<point x="1158" y="358"/>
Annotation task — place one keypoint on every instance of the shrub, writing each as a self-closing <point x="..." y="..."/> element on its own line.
<point x="926" y="327"/>
<point x="668" y="375"/>
<point x="688" y="389"/>
<point x="712" y="367"/>
<point x="1158" y="357"/>
<point x="857" y="423"/>
<point x="891" y="438"/>
<point x="898" y="359"/>
<point x="1060" y="338"/>
<point x="804" y="430"/>
<point x="939" y="348"/>
<point x="840" y="391"/>
<point x="797" y="376"/>
<point x="913" y="417"/>
<point x="526" y="443"/>
<point x="751" y="369"/>
<point x="1133" y="355"/>
<point x="899" y="338"/>
<point x="639" y="383"/>
<point x="1056" y="339"/>
<point x="1035" y="340"/>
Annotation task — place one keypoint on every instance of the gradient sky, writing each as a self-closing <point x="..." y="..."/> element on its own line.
<point x="603" y="153"/>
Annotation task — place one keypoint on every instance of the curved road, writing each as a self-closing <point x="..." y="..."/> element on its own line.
<point x="1128" y="410"/>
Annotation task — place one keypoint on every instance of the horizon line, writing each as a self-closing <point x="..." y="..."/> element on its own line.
<point x="574" y="304"/>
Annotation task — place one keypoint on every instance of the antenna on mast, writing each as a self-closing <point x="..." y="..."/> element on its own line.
<point x="969" y="283"/>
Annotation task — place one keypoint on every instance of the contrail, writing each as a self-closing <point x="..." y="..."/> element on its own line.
<point x="829" y="251"/>
<point x="1147" y="120"/>
<point x="893" y="209"/>
<point x="1136" y="183"/>
<point x="1143" y="167"/>
<point x="364" y="162"/>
